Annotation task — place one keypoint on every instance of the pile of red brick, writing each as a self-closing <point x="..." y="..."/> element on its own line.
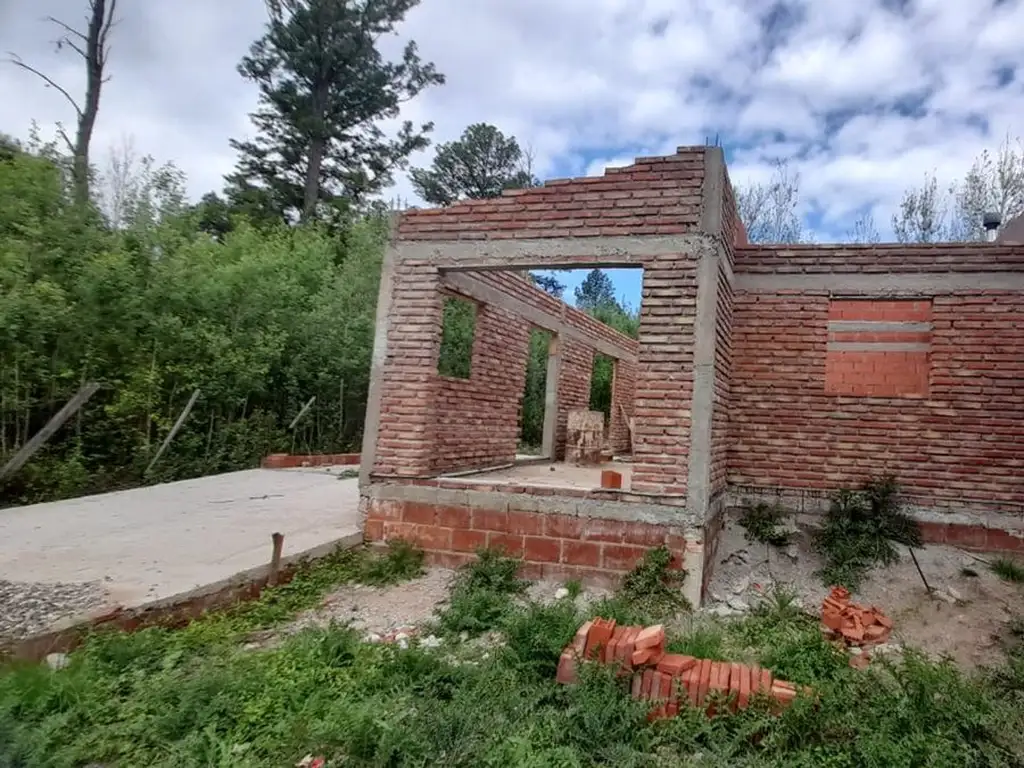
<point x="857" y="625"/>
<point x="669" y="680"/>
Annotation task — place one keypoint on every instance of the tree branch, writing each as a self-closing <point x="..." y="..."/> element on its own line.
<point x="16" y="61"/>
<point x="66" y="27"/>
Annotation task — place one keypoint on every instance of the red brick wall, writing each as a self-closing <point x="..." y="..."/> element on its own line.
<point x="409" y="386"/>
<point x="878" y="348"/>
<point x="552" y="546"/>
<point x="664" y="380"/>
<point x="961" y="442"/>
<point x="430" y="423"/>
<point x="477" y="419"/>
<point x="657" y="195"/>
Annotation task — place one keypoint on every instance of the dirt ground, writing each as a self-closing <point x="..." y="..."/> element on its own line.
<point x="962" y="618"/>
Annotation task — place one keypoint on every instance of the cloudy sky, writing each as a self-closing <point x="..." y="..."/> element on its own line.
<point x="863" y="98"/>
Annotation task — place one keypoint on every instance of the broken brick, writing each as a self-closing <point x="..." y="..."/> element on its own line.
<point x="650" y="637"/>
<point x="580" y="641"/>
<point x="675" y="663"/>
<point x="566" y="667"/>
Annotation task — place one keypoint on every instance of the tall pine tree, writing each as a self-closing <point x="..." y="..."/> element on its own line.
<point x="324" y="89"/>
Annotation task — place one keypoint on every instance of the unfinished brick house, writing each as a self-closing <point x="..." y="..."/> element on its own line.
<point x="760" y="372"/>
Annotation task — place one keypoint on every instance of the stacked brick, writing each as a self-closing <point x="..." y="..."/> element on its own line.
<point x="855" y="625"/>
<point x="670" y="680"/>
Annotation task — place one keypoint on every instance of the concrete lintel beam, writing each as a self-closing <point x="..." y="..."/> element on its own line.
<point x="546" y="253"/>
<point x="923" y="284"/>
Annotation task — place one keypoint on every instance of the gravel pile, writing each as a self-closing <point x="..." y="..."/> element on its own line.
<point x="28" y="608"/>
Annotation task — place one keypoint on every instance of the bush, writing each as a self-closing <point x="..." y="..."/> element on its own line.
<point x="861" y="530"/>
<point x="762" y="523"/>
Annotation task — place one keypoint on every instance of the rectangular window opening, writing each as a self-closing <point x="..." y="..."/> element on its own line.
<point x="535" y="393"/>
<point x="458" y="328"/>
<point x="602" y="379"/>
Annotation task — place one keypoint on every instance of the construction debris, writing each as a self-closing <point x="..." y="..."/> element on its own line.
<point x="670" y="680"/>
<point x="856" y="626"/>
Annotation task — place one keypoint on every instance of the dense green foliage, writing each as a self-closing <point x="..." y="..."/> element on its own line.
<point x="259" y="322"/>
<point x="198" y="697"/>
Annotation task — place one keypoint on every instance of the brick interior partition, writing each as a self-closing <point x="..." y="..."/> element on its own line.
<point x="477" y="419"/>
<point x="933" y="395"/>
<point x="623" y="396"/>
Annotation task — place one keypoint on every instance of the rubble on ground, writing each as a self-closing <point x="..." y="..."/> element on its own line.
<point x="858" y="627"/>
<point x="670" y="680"/>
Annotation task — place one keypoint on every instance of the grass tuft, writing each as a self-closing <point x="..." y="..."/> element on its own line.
<point x="762" y="522"/>
<point x="481" y="596"/>
<point x="401" y="562"/>
<point x="1008" y="570"/>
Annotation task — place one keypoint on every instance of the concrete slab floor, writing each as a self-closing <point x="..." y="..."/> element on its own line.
<point x="557" y="474"/>
<point x="152" y="543"/>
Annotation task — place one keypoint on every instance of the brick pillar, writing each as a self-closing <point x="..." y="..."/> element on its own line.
<point x="664" y="376"/>
<point x="404" y="370"/>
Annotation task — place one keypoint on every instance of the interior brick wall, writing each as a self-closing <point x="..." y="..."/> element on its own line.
<point x="575" y="370"/>
<point x="477" y="419"/>
<point x="623" y="396"/>
<point x="959" y="443"/>
<point x="655" y="195"/>
<point x="431" y="423"/>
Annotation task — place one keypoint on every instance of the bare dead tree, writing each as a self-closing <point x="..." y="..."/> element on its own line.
<point x="93" y="46"/>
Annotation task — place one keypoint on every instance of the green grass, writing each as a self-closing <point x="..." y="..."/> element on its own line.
<point x="195" y="698"/>
<point x="1008" y="570"/>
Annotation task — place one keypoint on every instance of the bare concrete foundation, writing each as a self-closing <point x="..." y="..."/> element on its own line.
<point x="190" y="541"/>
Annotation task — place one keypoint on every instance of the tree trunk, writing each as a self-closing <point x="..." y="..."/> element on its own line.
<point x="94" y="60"/>
<point x="311" y="193"/>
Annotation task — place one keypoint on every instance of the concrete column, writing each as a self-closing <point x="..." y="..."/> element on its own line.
<point x="549" y="441"/>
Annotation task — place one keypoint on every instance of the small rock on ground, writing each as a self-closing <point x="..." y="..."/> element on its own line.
<point x="30" y="608"/>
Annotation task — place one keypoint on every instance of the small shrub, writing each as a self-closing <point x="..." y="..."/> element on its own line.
<point x="1008" y="570"/>
<point x="861" y="530"/>
<point x="481" y="595"/>
<point x="401" y="562"/>
<point x="652" y="587"/>
<point x="762" y="523"/>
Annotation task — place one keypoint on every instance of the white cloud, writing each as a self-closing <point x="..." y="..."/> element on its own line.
<point x="585" y="83"/>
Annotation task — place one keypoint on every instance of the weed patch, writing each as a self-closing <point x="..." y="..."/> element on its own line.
<point x="482" y="594"/>
<point x="762" y="522"/>
<point x="401" y="562"/>
<point x="861" y="530"/>
<point x="1008" y="570"/>
<point x="652" y="587"/>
